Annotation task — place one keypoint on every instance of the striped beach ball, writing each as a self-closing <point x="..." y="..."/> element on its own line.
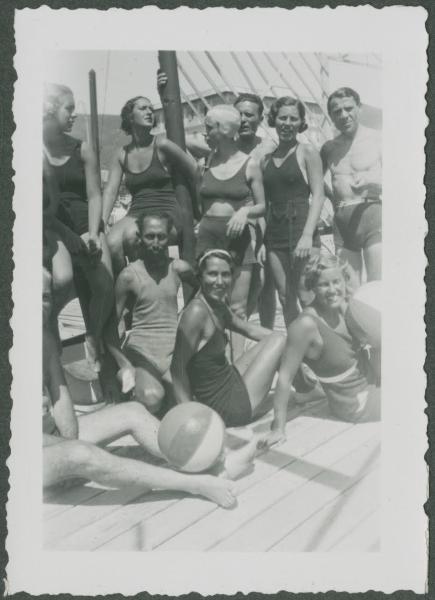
<point x="191" y="437"/>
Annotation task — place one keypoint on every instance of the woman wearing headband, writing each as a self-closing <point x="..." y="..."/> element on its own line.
<point x="321" y="338"/>
<point x="232" y="198"/>
<point x="200" y="369"/>
<point x="146" y="163"/>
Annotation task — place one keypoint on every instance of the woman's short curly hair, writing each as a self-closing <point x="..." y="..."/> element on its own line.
<point x="126" y="112"/>
<point x="286" y="101"/>
<point x="52" y="98"/>
<point x="321" y="262"/>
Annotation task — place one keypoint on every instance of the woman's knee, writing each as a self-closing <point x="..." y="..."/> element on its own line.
<point x="276" y="341"/>
<point x="151" y="397"/>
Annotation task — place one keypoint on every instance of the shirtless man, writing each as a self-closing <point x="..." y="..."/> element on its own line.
<point x="251" y="108"/>
<point x="354" y="160"/>
<point x="149" y="287"/>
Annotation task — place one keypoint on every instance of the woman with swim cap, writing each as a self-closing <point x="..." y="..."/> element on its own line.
<point x="321" y="338"/>
<point x="72" y="206"/>
<point x="200" y="369"/>
<point x="146" y="162"/>
<point x="292" y="173"/>
<point x="232" y="197"/>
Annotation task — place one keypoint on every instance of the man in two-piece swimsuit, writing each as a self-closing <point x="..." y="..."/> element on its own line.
<point x="354" y="160"/>
<point x="149" y="286"/>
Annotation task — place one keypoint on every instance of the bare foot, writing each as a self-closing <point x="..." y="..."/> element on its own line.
<point x="275" y="437"/>
<point x="221" y="491"/>
<point x="239" y="462"/>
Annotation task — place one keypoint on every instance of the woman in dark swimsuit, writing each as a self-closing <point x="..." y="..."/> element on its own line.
<point x="232" y="198"/>
<point x="72" y="204"/>
<point x="146" y="163"/>
<point x="321" y="338"/>
<point x="199" y="367"/>
<point x="291" y="174"/>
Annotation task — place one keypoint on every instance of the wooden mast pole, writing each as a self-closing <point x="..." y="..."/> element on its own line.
<point x="172" y="111"/>
<point x="94" y="118"/>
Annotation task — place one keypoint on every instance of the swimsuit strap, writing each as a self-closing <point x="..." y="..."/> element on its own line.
<point x="211" y="313"/>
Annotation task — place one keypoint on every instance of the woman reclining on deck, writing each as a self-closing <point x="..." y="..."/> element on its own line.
<point x="321" y="338"/>
<point x="69" y="444"/>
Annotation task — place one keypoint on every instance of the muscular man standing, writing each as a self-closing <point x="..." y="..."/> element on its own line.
<point x="354" y="160"/>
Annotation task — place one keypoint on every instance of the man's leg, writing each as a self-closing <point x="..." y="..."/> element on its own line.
<point x="70" y="459"/>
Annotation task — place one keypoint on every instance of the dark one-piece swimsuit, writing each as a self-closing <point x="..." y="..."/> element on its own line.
<point x="152" y="190"/>
<point x="216" y="383"/>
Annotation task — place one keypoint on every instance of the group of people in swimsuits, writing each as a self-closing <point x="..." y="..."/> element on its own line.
<point x="260" y="203"/>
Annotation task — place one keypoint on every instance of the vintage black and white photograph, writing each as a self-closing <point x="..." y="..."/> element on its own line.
<point x="213" y="279"/>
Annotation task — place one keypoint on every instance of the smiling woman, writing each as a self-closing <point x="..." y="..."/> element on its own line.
<point x="200" y="369"/>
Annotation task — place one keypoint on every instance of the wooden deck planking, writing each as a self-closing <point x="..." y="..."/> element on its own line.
<point x="183" y="516"/>
<point x="262" y="533"/>
<point x="270" y="486"/>
<point x="326" y="527"/>
<point x="362" y="538"/>
<point x="127" y="516"/>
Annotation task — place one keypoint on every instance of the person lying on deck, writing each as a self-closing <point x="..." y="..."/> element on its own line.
<point x="148" y="287"/>
<point x="321" y="338"/>
<point x="200" y="369"/>
<point x="71" y="446"/>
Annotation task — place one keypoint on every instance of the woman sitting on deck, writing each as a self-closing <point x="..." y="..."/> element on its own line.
<point x="146" y="162"/>
<point x="70" y="447"/>
<point x="199" y="367"/>
<point x="321" y="338"/>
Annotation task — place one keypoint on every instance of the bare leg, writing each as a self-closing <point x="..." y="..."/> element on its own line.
<point x="239" y="302"/>
<point x="258" y="367"/>
<point x="281" y="266"/>
<point x="70" y="459"/>
<point x="108" y="424"/>
<point x="257" y="283"/>
<point x="373" y="261"/>
<point x="267" y="299"/>
<point x="149" y="389"/>
<point x="100" y="279"/>
<point x="62" y="272"/>
<point x="122" y="240"/>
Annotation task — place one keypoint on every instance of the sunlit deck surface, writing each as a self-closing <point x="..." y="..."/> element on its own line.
<point x="319" y="491"/>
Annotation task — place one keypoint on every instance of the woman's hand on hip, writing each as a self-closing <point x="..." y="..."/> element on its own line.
<point x="237" y="223"/>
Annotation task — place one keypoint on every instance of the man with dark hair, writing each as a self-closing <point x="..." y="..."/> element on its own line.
<point x="354" y="159"/>
<point x="149" y="287"/>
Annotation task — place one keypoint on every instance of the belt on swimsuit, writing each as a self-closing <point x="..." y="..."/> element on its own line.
<point x="355" y="202"/>
<point x="338" y="378"/>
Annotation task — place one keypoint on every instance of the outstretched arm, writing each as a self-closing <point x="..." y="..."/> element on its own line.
<point x="246" y="328"/>
<point x="239" y="220"/>
<point x="313" y="166"/>
<point x="189" y="333"/>
<point x="179" y="159"/>
<point x="93" y="191"/>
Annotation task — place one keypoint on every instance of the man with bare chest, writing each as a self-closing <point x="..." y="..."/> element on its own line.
<point x="354" y="160"/>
